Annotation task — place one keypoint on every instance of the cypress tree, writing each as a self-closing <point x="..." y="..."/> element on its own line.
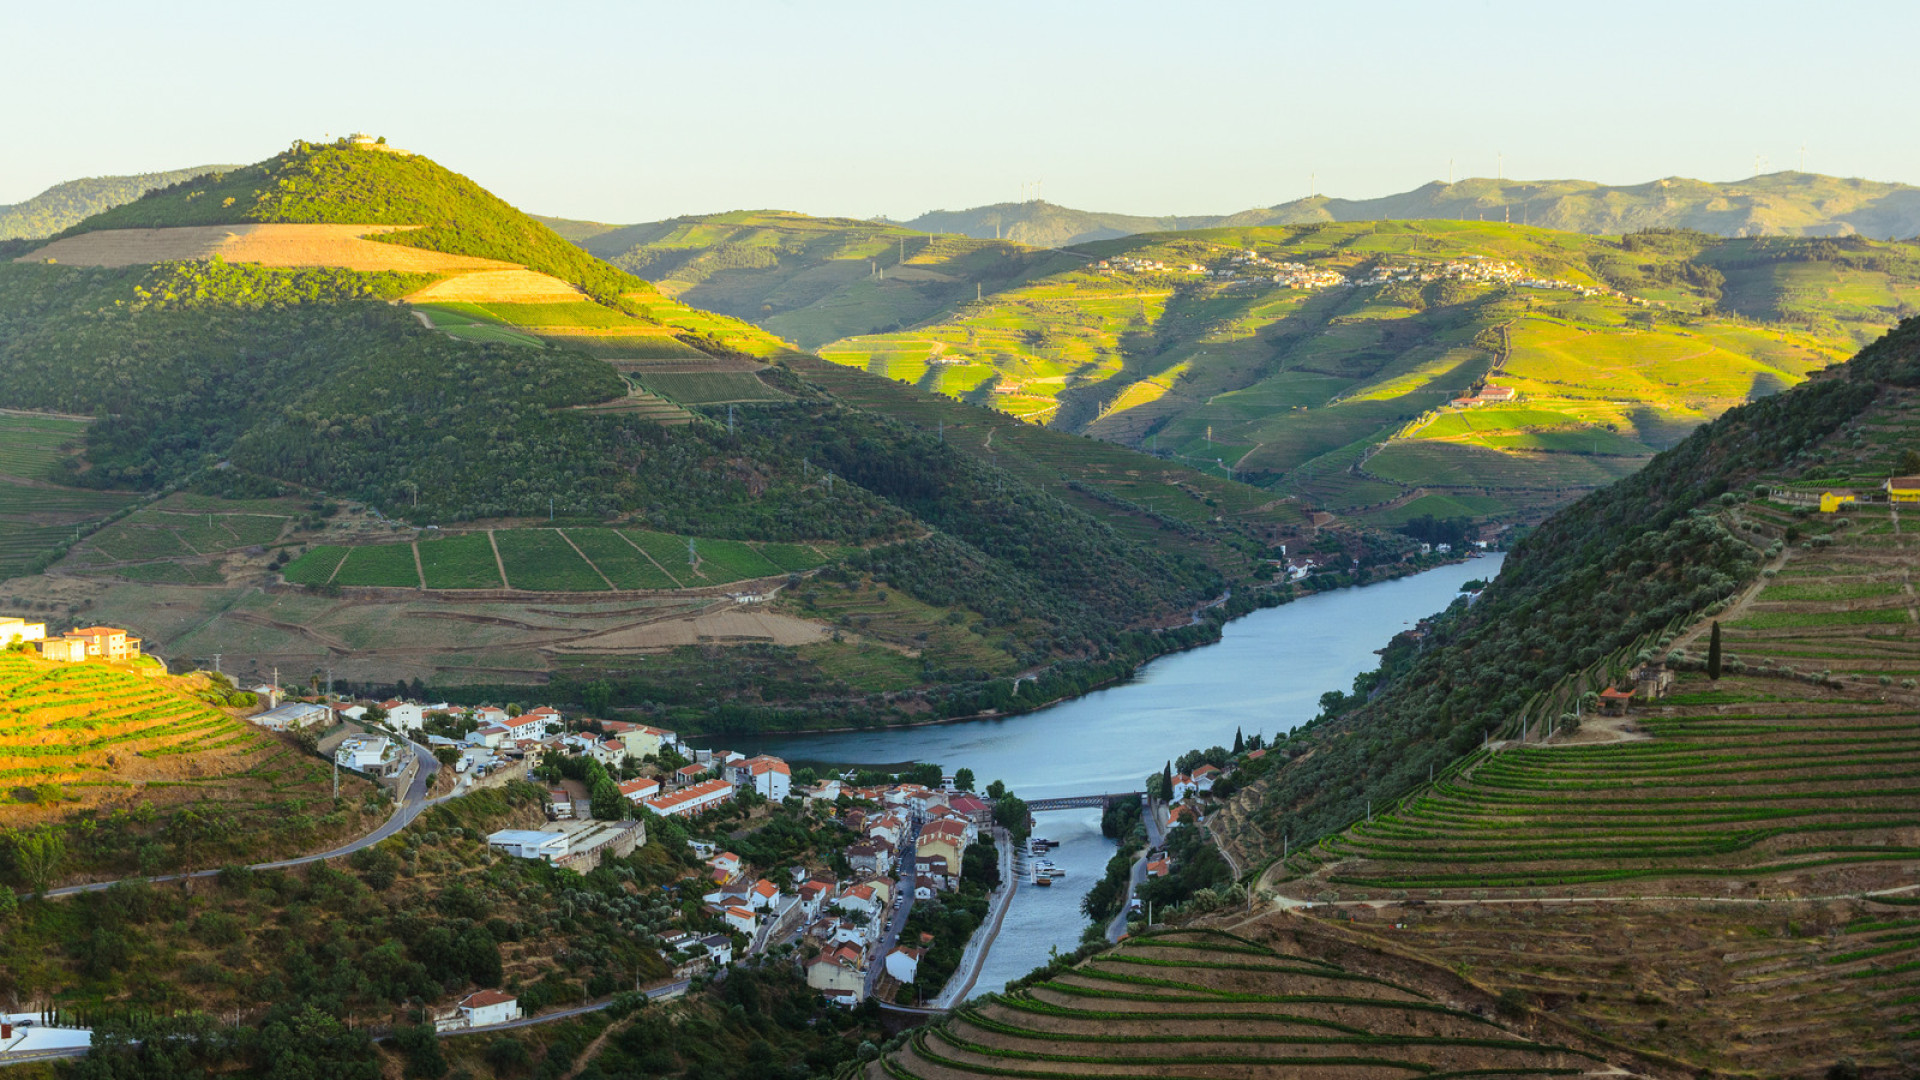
<point x="1166" y="781"/>
<point x="1713" y="653"/>
<point x="1239" y="743"/>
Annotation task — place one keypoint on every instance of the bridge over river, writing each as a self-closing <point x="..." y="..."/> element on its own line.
<point x="1076" y="802"/>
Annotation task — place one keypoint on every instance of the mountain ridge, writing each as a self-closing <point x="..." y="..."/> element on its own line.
<point x="1775" y="204"/>
<point x="70" y="202"/>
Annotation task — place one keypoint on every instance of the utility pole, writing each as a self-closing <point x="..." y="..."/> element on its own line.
<point x="549" y="509"/>
<point x="692" y="555"/>
<point x="216" y="663"/>
<point x="1449" y="172"/>
<point x="1803" y="157"/>
<point x="273" y="695"/>
<point x="729" y="419"/>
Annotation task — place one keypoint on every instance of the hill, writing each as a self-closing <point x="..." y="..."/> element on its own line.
<point x="1775" y="204"/>
<point x="1274" y="999"/>
<point x="338" y="441"/>
<point x="1325" y="361"/>
<point x="155" y="776"/>
<point x="813" y="280"/>
<point x="346" y="183"/>
<point x="69" y="203"/>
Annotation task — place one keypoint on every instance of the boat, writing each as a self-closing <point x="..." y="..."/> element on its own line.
<point x="1043" y="882"/>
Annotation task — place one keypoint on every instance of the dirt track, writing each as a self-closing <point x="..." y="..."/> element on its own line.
<point x="729" y="627"/>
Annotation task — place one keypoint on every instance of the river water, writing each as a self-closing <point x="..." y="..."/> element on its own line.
<point x="1265" y="675"/>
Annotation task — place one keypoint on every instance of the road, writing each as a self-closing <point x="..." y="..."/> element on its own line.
<point x="960" y="983"/>
<point x="655" y="994"/>
<point x="897" y="921"/>
<point x="1156" y="837"/>
<point x="411" y="804"/>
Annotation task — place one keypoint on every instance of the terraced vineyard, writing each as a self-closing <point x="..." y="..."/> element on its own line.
<point x="1208" y="1003"/>
<point x="35" y="515"/>
<point x="1698" y="801"/>
<point x="555" y="560"/>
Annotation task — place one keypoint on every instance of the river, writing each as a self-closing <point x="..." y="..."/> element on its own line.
<point x="1265" y="675"/>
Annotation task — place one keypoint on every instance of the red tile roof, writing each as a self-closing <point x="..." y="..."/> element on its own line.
<point x="482" y="998"/>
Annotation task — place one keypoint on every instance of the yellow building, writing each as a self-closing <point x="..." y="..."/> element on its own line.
<point x="1832" y="501"/>
<point x="1903" y="489"/>
<point x="67" y="650"/>
<point x="12" y="629"/>
<point x="108" y="642"/>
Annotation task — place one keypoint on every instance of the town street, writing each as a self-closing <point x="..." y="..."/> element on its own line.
<point x="1156" y="837"/>
<point x="903" y="903"/>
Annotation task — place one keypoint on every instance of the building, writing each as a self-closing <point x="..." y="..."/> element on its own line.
<point x="767" y="775"/>
<point x="973" y="807"/>
<point x="689" y="774"/>
<point x="763" y="895"/>
<point x="1614" y="701"/>
<point x="113" y="643"/>
<point x="489" y="1007"/>
<point x="64" y="649"/>
<point x="12" y="630"/>
<point x="1903" y="489"/>
<point x="740" y="918"/>
<point x="639" y="790"/>
<point x="840" y="974"/>
<point x="1832" y="501"/>
<point x="1203" y="777"/>
<point x="292" y="715"/>
<point x="571" y="845"/>
<point x="537" y="844"/>
<point x="904" y="963"/>
<point x="375" y="755"/>
<point x="692" y="800"/>
<point x="1651" y="682"/>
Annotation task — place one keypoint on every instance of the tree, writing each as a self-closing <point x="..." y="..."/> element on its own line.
<point x="39" y="854"/>
<point x="1713" y="653"/>
<point x="1239" y="743"/>
<point x="446" y="755"/>
<point x="1166" y="780"/>
<point x="995" y="790"/>
<point x="598" y="696"/>
<point x="1010" y="811"/>
<point x="963" y="779"/>
<point x="607" y="803"/>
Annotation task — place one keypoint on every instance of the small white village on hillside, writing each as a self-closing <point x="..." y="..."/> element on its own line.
<point x="1249" y="267"/>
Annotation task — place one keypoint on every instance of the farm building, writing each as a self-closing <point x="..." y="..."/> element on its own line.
<point x="1831" y="501"/>
<point x="1903" y="489"/>
<point x="65" y="650"/>
<point x="482" y="1009"/>
<point x="111" y="642"/>
<point x="1614" y="701"/>
<point x="294" y="714"/>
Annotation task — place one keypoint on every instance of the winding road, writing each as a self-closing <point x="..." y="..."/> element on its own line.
<point x="411" y="804"/>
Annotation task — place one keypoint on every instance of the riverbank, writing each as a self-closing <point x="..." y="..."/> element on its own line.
<point x="1215" y="615"/>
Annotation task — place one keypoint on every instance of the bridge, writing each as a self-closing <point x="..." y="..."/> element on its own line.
<point x="1076" y="802"/>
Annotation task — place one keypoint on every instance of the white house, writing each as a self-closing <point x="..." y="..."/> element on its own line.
<point x="374" y="754"/>
<point x="491" y="736"/>
<point x="719" y="948"/>
<point x="489" y="1007"/>
<point x="763" y="895"/>
<point x="904" y="963"/>
<point x="641" y="789"/>
<point x="529" y="843"/>
<point x="741" y="919"/>
<point x="767" y="775"/>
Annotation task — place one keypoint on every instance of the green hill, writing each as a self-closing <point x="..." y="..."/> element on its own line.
<point x="64" y="205"/>
<point x="813" y="280"/>
<point x="568" y="448"/>
<point x="1186" y="344"/>
<point x="344" y="183"/>
<point x="1776" y="204"/>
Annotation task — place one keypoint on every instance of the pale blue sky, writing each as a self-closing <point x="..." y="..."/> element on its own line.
<point x="634" y="111"/>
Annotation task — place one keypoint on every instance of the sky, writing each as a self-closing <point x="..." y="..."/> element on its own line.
<point x="636" y="111"/>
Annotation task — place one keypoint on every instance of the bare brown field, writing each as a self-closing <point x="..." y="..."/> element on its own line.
<point x="269" y="245"/>
<point x="513" y="285"/>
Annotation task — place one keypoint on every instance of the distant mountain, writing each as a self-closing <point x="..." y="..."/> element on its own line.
<point x="1778" y="204"/>
<point x="1043" y="224"/>
<point x="64" y="205"/>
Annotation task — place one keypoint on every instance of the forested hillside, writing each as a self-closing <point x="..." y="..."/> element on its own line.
<point x="69" y="203"/>
<point x="1619" y="564"/>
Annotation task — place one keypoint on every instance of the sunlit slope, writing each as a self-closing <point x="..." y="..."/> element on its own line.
<point x="813" y="280"/>
<point x="1343" y="394"/>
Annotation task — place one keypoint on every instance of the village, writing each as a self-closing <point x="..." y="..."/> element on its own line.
<point x="841" y="915"/>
